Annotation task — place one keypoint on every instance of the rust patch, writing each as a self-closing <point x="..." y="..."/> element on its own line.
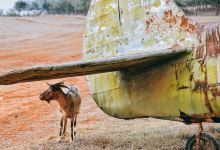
<point x="213" y="88"/>
<point x="147" y="25"/>
<point x="169" y="18"/>
<point x="200" y="85"/>
<point x="148" y="22"/>
<point x="208" y="105"/>
<point x="215" y="92"/>
<point x="212" y="46"/>
<point x="185" y="23"/>
<point x="189" y="119"/>
<point x="199" y="51"/>
<point x="212" y="42"/>
<point x="191" y="28"/>
<point x="200" y="47"/>
<point x="204" y="87"/>
<point x="168" y="2"/>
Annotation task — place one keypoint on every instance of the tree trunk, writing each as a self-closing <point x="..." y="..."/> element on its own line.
<point x="217" y="9"/>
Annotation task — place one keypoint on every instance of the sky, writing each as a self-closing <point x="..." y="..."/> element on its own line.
<point x="7" y="4"/>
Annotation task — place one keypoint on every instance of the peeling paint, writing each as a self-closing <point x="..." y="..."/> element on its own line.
<point x="189" y="119"/>
<point x="189" y="83"/>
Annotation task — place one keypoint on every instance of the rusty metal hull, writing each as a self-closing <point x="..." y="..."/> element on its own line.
<point x="184" y="88"/>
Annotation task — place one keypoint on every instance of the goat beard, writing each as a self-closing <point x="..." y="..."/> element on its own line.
<point x="48" y="102"/>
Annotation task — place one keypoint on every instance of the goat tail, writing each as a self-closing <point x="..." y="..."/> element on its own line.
<point x="75" y="90"/>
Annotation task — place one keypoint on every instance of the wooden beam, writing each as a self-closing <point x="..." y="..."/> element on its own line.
<point x="87" y="67"/>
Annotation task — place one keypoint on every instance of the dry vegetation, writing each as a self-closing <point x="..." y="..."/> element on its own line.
<point x="28" y="123"/>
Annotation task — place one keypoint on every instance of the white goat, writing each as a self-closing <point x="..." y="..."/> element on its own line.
<point x="69" y="103"/>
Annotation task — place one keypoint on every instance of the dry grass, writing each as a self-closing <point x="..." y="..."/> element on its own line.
<point x="147" y="134"/>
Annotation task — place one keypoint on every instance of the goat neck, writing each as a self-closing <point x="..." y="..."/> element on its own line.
<point x="62" y="100"/>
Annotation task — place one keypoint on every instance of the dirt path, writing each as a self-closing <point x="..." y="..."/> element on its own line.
<point x="28" y="123"/>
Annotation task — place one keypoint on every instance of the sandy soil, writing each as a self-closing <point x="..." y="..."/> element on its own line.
<point x="28" y="123"/>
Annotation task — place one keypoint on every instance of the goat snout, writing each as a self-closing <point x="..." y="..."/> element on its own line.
<point x="41" y="97"/>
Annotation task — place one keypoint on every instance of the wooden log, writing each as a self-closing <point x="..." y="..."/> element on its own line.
<point x="87" y="67"/>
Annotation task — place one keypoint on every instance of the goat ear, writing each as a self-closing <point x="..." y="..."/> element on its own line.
<point x="64" y="86"/>
<point x="53" y="88"/>
<point x="59" y="83"/>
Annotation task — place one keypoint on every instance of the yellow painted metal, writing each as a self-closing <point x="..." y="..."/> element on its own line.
<point x="189" y="83"/>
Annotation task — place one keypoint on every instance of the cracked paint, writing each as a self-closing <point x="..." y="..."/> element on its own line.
<point x="189" y="83"/>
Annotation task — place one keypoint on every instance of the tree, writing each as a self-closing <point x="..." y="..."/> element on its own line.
<point x="20" y="5"/>
<point x="62" y="7"/>
<point x="86" y="4"/>
<point x="11" y="12"/>
<point x="45" y="6"/>
<point x="35" y="5"/>
<point x="1" y="12"/>
<point x="217" y="7"/>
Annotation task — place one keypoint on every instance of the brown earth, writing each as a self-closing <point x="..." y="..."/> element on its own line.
<point x="28" y="123"/>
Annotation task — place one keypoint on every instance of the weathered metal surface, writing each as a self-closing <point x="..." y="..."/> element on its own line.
<point x="189" y="84"/>
<point x="78" y="68"/>
<point x="205" y="79"/>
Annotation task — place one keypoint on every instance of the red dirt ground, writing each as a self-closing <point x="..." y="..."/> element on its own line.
<point x="27" y="42"/>
<point x="28" y="123"/>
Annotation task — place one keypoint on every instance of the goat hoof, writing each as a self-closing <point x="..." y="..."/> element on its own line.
<point x="59" y="140"/>
<point x="63" y="136"/>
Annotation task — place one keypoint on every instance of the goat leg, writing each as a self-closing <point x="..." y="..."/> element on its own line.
<point x="64" y="125"/>
<point x="75" y="126"/>
<point x="61" y="126"/>
<point x="72" y="129"/>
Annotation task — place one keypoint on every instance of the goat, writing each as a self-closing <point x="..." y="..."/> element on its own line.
<point x="69" y="103"/>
